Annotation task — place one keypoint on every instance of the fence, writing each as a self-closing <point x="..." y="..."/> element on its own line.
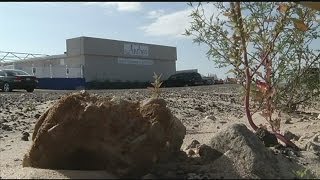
<point x="53" y="77"/>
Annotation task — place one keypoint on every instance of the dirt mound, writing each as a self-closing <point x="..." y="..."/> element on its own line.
<point x="82" y="131"/>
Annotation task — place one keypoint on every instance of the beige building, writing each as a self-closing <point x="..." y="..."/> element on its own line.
<point x="98" y="59"/>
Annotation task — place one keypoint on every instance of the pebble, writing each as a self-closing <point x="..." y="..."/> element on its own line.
<point x="289" y="135"/>
<point x="288" y="121"/>
<point x="6" y="127"/>
<point x="25" y="136"/>
<point x="210" y="117"/>
<point x="190" y="152"/>
<point x="37" y="116"/>
<point x="193" y="144"/>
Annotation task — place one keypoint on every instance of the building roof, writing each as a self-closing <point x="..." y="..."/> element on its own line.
<point x="122" y="41"/>
<point x="52" y="57"/>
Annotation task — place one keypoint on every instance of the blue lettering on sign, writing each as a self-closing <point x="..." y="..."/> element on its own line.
<point x="136" y="49"/>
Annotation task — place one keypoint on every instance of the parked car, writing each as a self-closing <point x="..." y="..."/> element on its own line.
<point x="17" y="79"/>
<point x="218" y="81"/>
<point x="208" y="80"/>
<point x="184" y="79"/>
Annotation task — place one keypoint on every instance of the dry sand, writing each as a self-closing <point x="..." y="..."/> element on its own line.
<point x="204" y="110"/>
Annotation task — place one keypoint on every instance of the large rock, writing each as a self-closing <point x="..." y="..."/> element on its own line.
<point x="248" y="155"/>
<point x="81" y="131"/>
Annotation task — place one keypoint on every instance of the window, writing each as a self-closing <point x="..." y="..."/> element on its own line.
<point x="15" y="72"/>
<point x="173" y="77"/>
<point x="2" y="73"/>
<point x="180" y="76"/>
<point x="21" y="73"/>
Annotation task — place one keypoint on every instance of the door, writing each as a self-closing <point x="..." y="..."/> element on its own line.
<point x="2" y="76"/>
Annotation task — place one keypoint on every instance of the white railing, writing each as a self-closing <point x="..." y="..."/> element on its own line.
<point x="56" y="71"/>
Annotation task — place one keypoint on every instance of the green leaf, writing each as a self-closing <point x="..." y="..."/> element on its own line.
<point x="232" y="71"/>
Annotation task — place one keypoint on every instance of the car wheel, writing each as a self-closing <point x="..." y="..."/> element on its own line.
<point x="30" y="90"/>
<point x="6" y="87"/>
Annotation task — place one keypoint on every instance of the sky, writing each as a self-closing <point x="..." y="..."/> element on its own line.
<point x="43" y="27"/>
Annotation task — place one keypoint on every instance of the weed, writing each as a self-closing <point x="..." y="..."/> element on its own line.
<point x="155" y="90"/>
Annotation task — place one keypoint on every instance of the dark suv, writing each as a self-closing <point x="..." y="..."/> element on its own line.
<point x="184" y="79"/>
<point x="17" y="79"/>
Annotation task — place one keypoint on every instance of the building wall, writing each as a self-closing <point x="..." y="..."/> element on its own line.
<point x="114" y="60"/>
<point x="107" y="47"/>
<point x="108" y="68"/>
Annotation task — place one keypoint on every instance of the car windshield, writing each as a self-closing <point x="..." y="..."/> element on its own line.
<point x="16" y="72"/>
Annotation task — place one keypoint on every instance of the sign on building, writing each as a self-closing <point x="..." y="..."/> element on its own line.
<point x="135" y="61"/>
<point x="136" y="49"/>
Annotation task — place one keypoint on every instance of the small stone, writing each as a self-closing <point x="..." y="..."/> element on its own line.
<point x="6" y="127"/>
<point x="199" y="108"/>
<point x="190" y="152"/>
<point x="37" y="116"/>
<point x="313" y="144"/>
<point x="193" y="144"/>
<point x="288" y="120"/>
<point x="25" y="136"/>
<point x="289" y="135"/>
<point x="210" y="117"/>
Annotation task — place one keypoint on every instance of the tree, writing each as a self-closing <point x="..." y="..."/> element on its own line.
<point x="268" y="46"/>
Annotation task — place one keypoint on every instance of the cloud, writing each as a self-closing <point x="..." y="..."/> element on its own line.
<point x="173" y="24"/>
<point x="121" y="6"/>
<point x="155" y="13"/>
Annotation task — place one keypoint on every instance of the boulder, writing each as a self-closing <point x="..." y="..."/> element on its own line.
<point x="248" y="155"/>
<point x="208" y="153"/>
<point x="84" y="132"/>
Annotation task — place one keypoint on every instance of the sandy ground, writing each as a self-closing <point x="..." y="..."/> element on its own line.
<point x="204" y="110"/>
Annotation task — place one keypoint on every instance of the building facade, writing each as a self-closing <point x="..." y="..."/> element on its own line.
<point x="105" y="59"/>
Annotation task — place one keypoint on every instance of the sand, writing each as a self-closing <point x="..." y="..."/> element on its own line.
<point x="204" y="110"/>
